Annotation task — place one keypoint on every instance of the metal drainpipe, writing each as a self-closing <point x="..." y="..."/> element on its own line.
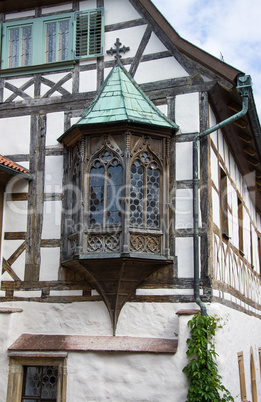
<point x="243" y="85"/>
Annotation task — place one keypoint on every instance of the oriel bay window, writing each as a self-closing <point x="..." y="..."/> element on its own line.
<point x="123" y="233"/>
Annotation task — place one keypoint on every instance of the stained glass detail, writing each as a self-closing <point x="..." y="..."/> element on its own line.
<point x="97" y="194"/>
<point x="105" y="190"/>
<point x="153" y="197"/>
<point x="136" y="194"/>
<point x="40" y="383"/>
<point x="50" y="42"/>
<point x="14" y="48"/>
<point x="57" y="31"/>
<point x="26" y="46"/>
<point x="145" y="182"/>
<point x="114" y="193"/>
<point x="63" y="50"/>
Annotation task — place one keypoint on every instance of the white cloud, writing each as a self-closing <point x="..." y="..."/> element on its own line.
<point x="230" y="28"/>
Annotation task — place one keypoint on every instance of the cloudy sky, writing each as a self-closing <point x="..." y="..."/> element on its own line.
<point x="231" y="28"/>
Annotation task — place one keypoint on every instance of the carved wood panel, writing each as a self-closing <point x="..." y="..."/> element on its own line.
<point x="231" y="269"/>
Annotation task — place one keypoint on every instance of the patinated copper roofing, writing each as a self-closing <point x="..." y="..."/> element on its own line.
<point x="41" y="342"/>
<point x="12" y="165"/>
<point x="121" y="99"/>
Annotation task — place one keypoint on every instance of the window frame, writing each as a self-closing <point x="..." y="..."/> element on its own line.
<point x="17" y="363"/>
<point x="146" y="186"/>
<point x="242" y="379"/>
<point x="38" y="47"/>
<point x="106" y="184"/>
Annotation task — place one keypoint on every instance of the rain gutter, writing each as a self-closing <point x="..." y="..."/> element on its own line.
<point x="244" y="88"/>
<point x="13" y="172"/>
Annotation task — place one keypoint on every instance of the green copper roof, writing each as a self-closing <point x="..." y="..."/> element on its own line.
<point x="121" y="99"/>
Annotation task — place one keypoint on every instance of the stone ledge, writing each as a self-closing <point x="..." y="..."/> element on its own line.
<point x="187" y="312"/>
<point x="10" y="310"/>
<point x="73" y="343"/>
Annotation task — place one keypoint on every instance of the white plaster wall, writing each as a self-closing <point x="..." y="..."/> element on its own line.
<point x="106" y="376"/>
<point x="122" y="8"/>
<point x="163" y="109"/>
<point x="57" y="9"/>
<point x="214" y="168"/>
<point x="154" y="45"/>
<point x="52" y="220"/>
<point x="128" y="37"/>
<point x="88" y="81"/>
<point x="50" y="263"/>
<point x="184" y="169"/>
<point x="187" y="112"/>
<point x="233" y="221"/>
<point x="184" y="209"/>
<point x="53" y="174"/>
<point x="239" y="333"/>
<point x="15" y="216"/>
<point x="87" y="5"/>
<point x="184" y="253"/>
<point x="17" y="130"/>
<point x="215" y="207"/>
<point x="132" y="376"/>
<point x="21" y="14"/>
<point x="246" y="236"/>
<point x="221" y="145"/>
<point x="158" y="70"/>
<point x="54" y="127"/>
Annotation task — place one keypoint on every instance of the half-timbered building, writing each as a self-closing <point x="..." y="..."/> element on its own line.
<point x="130" y="178"/>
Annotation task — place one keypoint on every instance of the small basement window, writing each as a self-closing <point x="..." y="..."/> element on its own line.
<point x="38" y="379"/>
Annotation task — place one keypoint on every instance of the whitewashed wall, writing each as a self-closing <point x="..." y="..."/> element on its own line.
<point x="132" y="376"/>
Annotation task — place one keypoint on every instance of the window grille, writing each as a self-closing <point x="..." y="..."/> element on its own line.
<point x="105" y="186"/>
<point x="145" y="193"/>
<point x="40" y="383"/>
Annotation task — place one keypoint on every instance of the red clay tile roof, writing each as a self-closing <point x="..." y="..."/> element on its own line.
<point x="12" y="165"/>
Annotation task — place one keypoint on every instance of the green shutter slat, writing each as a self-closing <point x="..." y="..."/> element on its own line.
<point x="89" y="33"/>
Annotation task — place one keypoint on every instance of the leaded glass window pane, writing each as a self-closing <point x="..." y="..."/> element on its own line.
<point x="14" y="47"/>
<point x="97" y="194"/>
<point x="153" y="197"/>
<point x="26" y="46"/>
<point x="113" y="193"/>
<point x="63" y="51"/>
<point x="40" y="383"/>
<point x="50" y="42"/>
<point x="136" y="194"/>
<point x="145" y="193"/>
<point x="105" y="190"/>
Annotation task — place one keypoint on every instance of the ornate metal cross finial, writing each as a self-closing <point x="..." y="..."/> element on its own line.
<point x="118" y="50"/>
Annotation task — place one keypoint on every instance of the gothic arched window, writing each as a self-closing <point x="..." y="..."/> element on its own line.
<point x="145" y="192"/>
<point x="105" y="186"/>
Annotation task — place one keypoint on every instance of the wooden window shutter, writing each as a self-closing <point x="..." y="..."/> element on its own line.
<point x="89" y="33"/>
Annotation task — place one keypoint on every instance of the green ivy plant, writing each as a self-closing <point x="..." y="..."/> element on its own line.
<point x="202" y="370"/>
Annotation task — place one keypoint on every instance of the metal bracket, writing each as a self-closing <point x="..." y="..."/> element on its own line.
<point x="244" y="82"/>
